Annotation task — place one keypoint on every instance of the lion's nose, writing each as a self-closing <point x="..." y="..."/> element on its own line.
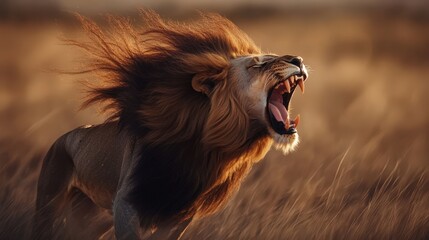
<point x="295" y="60"/>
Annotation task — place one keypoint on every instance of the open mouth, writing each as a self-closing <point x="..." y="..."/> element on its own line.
<point x="278" y="104"/>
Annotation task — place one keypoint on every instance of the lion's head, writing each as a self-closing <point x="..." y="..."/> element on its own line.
<point x="263" y="85"/>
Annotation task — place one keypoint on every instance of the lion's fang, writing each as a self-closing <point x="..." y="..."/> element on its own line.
<point x="301" y="85"/>
<point x="287" y="86"/>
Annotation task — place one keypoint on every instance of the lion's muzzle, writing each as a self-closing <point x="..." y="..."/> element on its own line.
<point x="289" y="72"/>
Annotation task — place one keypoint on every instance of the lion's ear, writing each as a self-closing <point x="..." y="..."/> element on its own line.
<point x="204" y="83"/>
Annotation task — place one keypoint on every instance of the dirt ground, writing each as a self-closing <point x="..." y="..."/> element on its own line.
<point x="360" y="172"/>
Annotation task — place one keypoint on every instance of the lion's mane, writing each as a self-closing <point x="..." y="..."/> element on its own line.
<point x="196" y="148"/>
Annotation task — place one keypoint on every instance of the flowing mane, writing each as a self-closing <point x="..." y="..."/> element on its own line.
<point x="148" y="75"/>
<point x="163" y="53"/>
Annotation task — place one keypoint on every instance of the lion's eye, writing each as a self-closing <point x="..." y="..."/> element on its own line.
<point x="254" y="62"/>
<point x="261" y="64"/>
<point x="258" y="65"/>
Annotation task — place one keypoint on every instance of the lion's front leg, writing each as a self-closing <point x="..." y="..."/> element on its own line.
<point x="126" y="224"/>
<point x="171" y="231"/>
<point x="125" y="219"/>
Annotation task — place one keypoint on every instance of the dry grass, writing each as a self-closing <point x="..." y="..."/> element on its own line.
<point x="361" y="171"/>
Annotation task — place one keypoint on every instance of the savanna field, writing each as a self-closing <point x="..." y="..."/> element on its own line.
<point x="360" y="171"/>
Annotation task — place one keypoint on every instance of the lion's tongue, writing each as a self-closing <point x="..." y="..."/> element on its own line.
<point x="277" y="108"/>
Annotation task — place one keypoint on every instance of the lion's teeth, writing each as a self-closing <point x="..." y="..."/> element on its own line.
<point x="287" y="124"/>
<point x="296" y="121"/>
<point x="291" y="80"/>
<point x="287" y="86"/>
<point x="301" y="85"/>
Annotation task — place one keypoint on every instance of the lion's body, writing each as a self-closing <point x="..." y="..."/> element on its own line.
<point x="72" y="163"/>
<point x="97" y="173"/>
<point x="100" y="174"/>
<point x="189" y="119"/>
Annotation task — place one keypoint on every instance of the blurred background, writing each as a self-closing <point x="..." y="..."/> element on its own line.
<point x="361" y="170"/>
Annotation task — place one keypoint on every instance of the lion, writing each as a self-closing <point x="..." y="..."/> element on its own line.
<point x="192" y="107"/>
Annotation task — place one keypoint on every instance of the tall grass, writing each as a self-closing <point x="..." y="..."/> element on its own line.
<point x="360" y="172"/>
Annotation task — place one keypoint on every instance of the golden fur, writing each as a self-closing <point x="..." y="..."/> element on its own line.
<point x="191" y="99"/>
<point x="223" y="123"/>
